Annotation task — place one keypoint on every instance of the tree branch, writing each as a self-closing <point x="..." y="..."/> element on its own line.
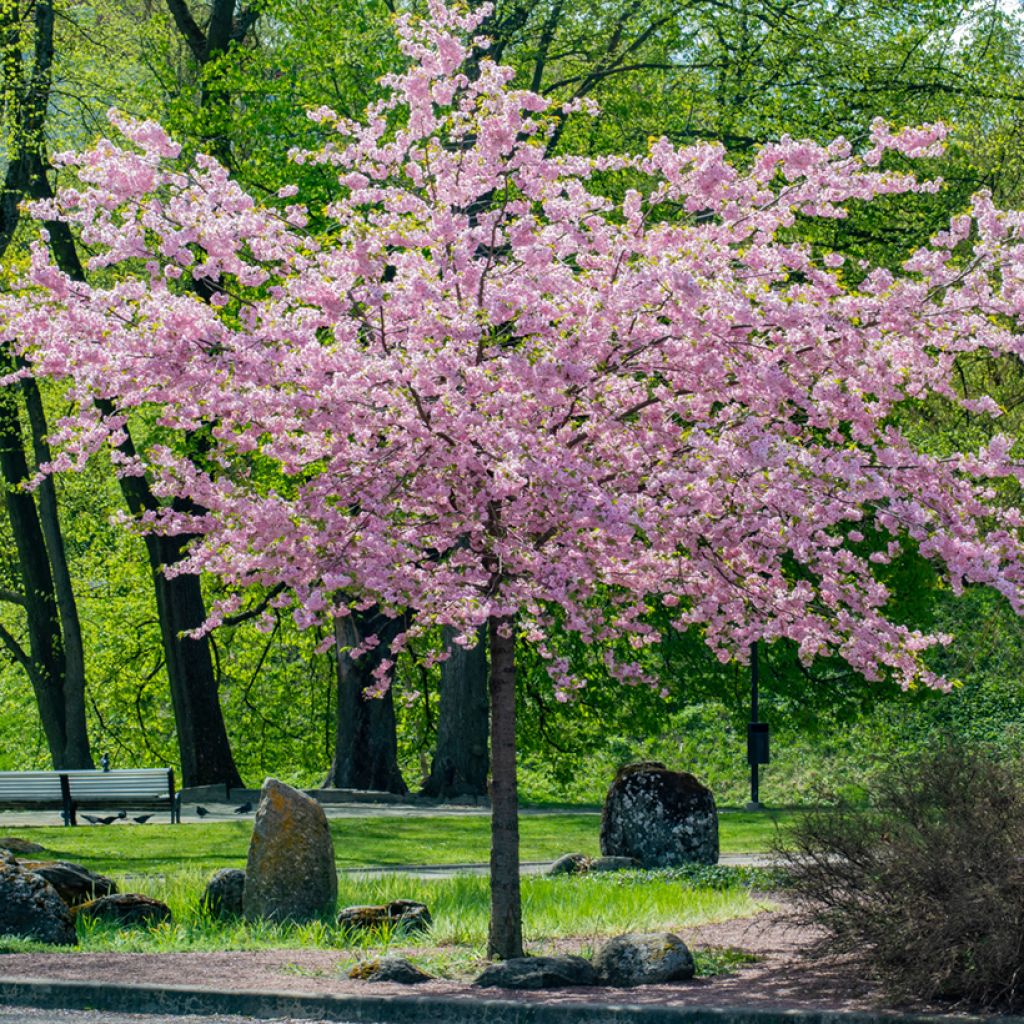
<point x="190" y="31"/>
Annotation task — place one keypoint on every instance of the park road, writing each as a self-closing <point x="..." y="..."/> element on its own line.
<point x="28" y="1015"/>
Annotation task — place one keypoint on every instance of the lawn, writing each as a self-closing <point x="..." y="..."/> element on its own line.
<point x="358" y="842"/>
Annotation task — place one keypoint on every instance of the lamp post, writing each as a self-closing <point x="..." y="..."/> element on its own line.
<point x="757" y="734"/>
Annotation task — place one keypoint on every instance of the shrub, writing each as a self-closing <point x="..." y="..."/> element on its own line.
<point x="925" y="886"/>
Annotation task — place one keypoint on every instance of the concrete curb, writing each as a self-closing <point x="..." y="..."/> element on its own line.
<point x="179" y="1000"/>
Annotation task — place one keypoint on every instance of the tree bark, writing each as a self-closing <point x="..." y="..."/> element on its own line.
<point x="505" y="936"/>
<point x="366" y="743"/>
<point x="62" y="713"/>
<point x="77" y="751"/>
<point x="460" y="760"/>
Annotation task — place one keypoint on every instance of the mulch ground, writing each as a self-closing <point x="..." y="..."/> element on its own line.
<point x="783" y="976"/>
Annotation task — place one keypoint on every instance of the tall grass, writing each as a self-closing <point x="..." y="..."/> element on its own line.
<point x="584" y="908"/>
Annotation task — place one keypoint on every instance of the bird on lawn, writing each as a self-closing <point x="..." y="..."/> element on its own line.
<point x="89" y="818"/>
<point x="104" y="821"/>
<point x="201" y="811"/>
<point x="244" y="809"/>
<point x="122" y="815"/>
<point x="142" y="819"/>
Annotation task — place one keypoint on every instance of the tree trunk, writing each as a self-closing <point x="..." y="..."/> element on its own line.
<point x="366" y="743"/>
<point x="203" y="744"/>
<point x="505" y="937"/>
<point x="63" y="719"/>
<point x="77" y="752"/>
<point x="460" y="759"/>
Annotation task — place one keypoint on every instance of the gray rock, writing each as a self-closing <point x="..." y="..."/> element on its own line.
<point x="127" y="909"/>
<point x="643" y="958"/>
<point x="15" y="845"/>
<point x="395" y="969"/>
<point x="290" y="874"/>
<point x="75" y="884"/>
<point x="660" y="817"/>
<point x="570" y="864"/>
<point x="406" y="914"/>
<point x="536" y="972"/>
<point x="614" y="863"/>
<point x="30" y="907"/>
<point x="223" y="896"/>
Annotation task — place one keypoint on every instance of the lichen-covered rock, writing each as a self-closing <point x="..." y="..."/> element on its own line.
<point x="15" y="845"/>
<point x="127" y="909"/>
<point x="74" y="884"/>
<point x="223" y="896"/>
<point x="599" y="864"/>
<point x="537" y="972"/>
<point x="643" y="958"/>
<point x="659" y="817"/>
<point x="406" y="914"/>
<point x="395" y="969"/>
<point x="570" y="864"/>
<point x="30" y="907"/>
<point x="290" y="874"/>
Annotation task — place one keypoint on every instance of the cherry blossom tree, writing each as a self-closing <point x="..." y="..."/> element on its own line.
<point x="478" y="391"/>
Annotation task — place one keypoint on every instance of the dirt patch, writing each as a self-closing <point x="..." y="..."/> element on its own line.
<point x="782" y="977"/>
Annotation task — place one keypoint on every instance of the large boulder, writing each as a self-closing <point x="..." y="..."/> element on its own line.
<point x="407" y="915"/>
<point x="290" y="874"/>
<point x="30" y="907"/>
<point x="659" y="817"/>
<point x="224" y="893"/>
<point x="127" y="909"/>
<point x="643" y="958"/>
<point x="74" y="884"/>
<point x="536" y="972"/>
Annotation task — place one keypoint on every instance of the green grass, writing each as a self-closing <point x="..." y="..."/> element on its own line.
<point x="358" y="842"/>
<point x="585" y="909"/>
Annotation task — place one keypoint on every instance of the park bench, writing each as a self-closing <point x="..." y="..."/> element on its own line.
<point x="69" y="791"/>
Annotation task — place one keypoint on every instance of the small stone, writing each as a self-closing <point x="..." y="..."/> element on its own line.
<point x="570" y="864"/>
<point x="662" y="818"/>
<point x="643" y="958"/>
<point x="128" y="909"/>
<point x="406" y="914"/>
<point x="74" y="884"/>
<point x="290" y="874"/>
<point x="614" y="864"/>
<point x="30" y="908"/>
<point x="537" y="972"/>
<point x="395" y="969"/>
<point x="16" y="845"/>
<point x="223" y="896"/>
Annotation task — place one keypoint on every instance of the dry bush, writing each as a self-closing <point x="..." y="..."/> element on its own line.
<point x="925" y="887"/>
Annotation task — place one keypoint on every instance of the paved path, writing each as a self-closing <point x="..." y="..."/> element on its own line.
<point x="225" y="812"/>
<point x="26" y="1015"/>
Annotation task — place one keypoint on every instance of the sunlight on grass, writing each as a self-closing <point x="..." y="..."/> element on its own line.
<point x="360" y="842"/>
<point x="589" y="907"/>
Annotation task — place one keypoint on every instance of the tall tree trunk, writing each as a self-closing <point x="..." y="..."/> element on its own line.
<point x="505" y="937"/>
<point x="77" y="751"/>
<point x="203" y="745"/>
<point x="62" y="715"/>
<point x="366" y="744"/>
<point x="460" y="760"/>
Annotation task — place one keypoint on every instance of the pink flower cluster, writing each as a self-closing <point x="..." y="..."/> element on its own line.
<point x="484" y="388"/>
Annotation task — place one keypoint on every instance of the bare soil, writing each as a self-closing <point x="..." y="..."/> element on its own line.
<point x="783" y="976"/>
